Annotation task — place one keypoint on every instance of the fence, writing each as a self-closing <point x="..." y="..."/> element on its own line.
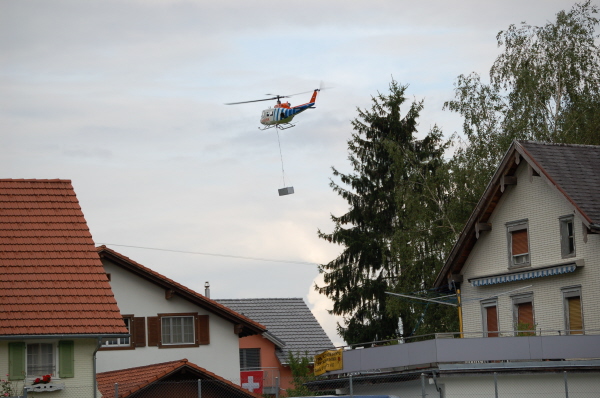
<point x="400" y="385"/>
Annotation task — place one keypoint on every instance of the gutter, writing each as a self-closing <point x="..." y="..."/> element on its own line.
<point x="62" y="336"/>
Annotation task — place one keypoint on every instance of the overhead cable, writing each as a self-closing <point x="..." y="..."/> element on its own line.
<point x="212" y="254"/>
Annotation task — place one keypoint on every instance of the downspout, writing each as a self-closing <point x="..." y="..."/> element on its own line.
<point x="460" y="322"/>
<point x="94" y="364"/>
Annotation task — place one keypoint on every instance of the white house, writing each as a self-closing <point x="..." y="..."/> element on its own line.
<point x="527" y="270"/>
<point x="529" y="256"/>
<point x="169" y="322"/>
<point x="56" y="304"/>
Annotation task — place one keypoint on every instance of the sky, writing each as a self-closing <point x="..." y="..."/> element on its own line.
<point x="127" y="100"/>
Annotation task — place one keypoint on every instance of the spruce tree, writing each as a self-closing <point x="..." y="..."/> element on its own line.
<point x="357" y="279"/>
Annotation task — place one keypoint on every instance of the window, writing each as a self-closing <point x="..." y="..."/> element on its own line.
<point x="249" y="358"/>
<point x="178" y="330"/>
<point x="567" y="236"/>
<point x="489" y="312"/>
<point x="37" y="359"/>
<point x="40" y="359"/>
<point x="523" y="315"/>
<point x="120" y="341"/>
<point x="518" y="243"/>
<point x="573" y="311"/>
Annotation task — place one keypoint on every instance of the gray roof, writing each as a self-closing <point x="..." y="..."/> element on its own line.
<point x="575" y="169"/>
<point x="289" y="320"/>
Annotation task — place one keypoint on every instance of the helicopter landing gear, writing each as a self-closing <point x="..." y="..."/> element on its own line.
<point x="280" y="126"/>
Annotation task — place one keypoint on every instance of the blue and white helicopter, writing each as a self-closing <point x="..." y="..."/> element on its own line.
<point x="281" y="114"/>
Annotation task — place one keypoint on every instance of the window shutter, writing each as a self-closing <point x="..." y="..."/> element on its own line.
<point x="202" y="330"/>
<point x="16" y="361"/>
<point x="525" y="316"/>
<point x="492" y="321"/>
<point x="66" y="358"/>
<point x="139" y="331"/>
<point x="575" y="321"/>
<point x="519" y="242"/>
<point x="153" y="331"/>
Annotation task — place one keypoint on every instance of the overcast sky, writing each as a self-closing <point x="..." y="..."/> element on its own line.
<point x="126" y="99"/>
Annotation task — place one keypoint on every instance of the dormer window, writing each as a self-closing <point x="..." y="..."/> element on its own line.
<point x="518" y="243"/>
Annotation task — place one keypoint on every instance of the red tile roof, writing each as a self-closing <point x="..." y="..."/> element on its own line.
<point x="51" y="278"/>
<point x="249" y="327"/>
<point x="134" y="379"/>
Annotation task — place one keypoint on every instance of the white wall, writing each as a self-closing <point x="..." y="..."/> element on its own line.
<point x="136" y="296"/>
<point x="541" y="204"/>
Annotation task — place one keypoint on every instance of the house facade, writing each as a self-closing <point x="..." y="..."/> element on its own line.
<point x="168" y="321"/>
<point x="56" y="305"/>
<point x="292" y="329"/>
<point x="530" y="261"/>
<point x="526" y="268"/>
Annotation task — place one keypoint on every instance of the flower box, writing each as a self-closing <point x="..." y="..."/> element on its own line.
<point x="45" y="387"/>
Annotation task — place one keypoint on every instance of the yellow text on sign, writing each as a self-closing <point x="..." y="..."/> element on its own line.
<point x="328" y="360"/>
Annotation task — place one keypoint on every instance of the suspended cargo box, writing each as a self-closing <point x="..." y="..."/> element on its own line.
<point x="286" y="191"/>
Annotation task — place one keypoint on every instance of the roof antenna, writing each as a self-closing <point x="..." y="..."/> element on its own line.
<point x="207" y="289"/>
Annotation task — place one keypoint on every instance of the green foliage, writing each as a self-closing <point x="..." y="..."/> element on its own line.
<point x="424" y="234"/>
<point x="9" y="388"/>
<point x="551" y="75"/>
<point x="302" y="373"/>
<point x="357" y="279"/>
<point x="545" y="86"/>
<point x="526" y="329"/>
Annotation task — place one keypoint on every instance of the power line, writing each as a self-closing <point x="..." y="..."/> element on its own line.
<point x="212" y="254"/>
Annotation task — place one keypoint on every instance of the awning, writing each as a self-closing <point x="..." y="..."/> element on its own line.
<point x="523" y="275"/>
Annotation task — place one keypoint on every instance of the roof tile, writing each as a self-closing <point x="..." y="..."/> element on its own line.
<point x="51" y="277"/>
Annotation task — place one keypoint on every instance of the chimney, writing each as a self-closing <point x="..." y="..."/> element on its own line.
<point x="207" y="289"/>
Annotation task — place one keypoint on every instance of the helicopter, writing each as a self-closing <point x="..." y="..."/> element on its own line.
<point x="281" y="115"/>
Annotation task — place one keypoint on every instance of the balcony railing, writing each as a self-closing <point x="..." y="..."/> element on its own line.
<point x="477" y="334"/>
<point x="449" y="348"/>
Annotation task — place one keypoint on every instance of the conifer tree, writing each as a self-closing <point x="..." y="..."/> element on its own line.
<point x="357" y="279"/>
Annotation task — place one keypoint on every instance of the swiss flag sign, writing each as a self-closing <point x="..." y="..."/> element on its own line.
<point x="252" y="381"/>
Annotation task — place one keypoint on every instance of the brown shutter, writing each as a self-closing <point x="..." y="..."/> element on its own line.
<point x="525" y="317"/>
<point x="492" y="321"/>
<point x="575" y="322"/>
<point x="153" y="331"/>
<point x="519" y="242"/>
<point x="139" y="331"/>
<point x="202" y="330"/>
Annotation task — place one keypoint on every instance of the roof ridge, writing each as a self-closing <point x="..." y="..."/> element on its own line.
<point x="200" y="296"/>
<point x="559" y="144"/>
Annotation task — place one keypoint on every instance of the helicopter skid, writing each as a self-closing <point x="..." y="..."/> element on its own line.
<point x="279" y="126"/>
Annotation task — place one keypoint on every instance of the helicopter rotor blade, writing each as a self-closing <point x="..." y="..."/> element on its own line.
<point x="247" y="102"/>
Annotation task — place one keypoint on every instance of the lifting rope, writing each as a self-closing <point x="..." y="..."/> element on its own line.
<point x="281" y="156"/>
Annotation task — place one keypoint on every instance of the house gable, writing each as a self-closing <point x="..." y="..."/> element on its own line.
<point x="168" y="321"/>
<point x="537" y="259"/>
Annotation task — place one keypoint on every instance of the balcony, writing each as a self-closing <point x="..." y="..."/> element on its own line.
<point x="449" y="348"/>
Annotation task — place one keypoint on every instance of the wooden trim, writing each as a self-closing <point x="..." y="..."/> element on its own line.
<point x="153" y="331"/>
<point x="169" y="293"/>
<point x="196" y="342"/>
<point x="481" y="226"/>
<point x="203" y="330"/>
<point x="507" y="180"/>
<point x="138" y="334"/>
